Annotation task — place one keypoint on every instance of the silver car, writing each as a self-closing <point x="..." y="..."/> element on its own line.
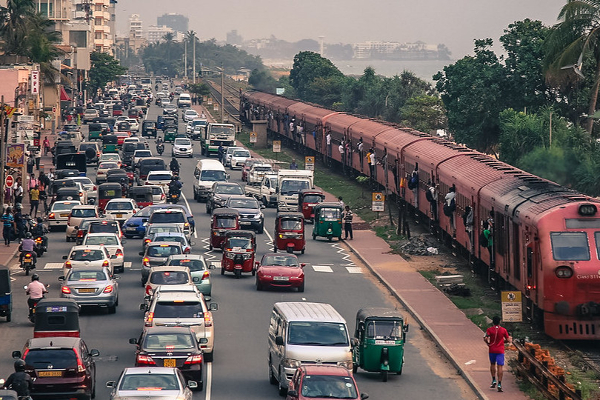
<point x="155" y="383"/>
<point x="91" y="287"/>
<point x="198" y="269"/>
<point x="159" y="228"/>
<point x="156" y="254"/>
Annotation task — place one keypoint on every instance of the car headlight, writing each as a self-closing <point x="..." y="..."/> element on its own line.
<point x="291" y="363"/>
<point x="345" y="364"/>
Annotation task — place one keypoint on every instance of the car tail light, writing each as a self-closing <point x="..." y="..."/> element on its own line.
<point x="146" y="262"/>
<point x="69" y="219"/>
<point x="68" y="264"/>
<point x="208" y="321"/>
<point x="51" y="216"/>
<point x="149" y="319"/>
<point x="79" y="233"/>
<point x="148" y="290"/>
<point x="146" y="241"/>
<point x="105" y="263"/>
<point x="80" y="366"/>
<point x="96" y="187"/>
<point x="144" y="360"/>
<point x="197" y="359"/>
<point x="66" y="290"/>
<point x="162" y="196"/>
<point x="119" y="253"/>
<point x="205" y="275"/>
<point x="108" y="289"/>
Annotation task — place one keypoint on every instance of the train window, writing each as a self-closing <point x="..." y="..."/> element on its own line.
<point x="597" y="237"/>
<point x="573" y="223"/>
<point x="570" y="246"/>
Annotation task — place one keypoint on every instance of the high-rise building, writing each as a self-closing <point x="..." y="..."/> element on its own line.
<point x="135" y="26"/>
<point x="177" y="22"/>
<point x="156" y="33"/>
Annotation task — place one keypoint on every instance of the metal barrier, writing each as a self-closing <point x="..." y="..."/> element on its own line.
<point x="538" y="367"/>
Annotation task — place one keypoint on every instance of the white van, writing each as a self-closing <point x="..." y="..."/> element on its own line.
<point x="305" y="333"/>
<point x="206" y="173"/>
<point x="184" y="100"/>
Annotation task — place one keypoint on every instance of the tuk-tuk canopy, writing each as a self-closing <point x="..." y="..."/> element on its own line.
<point x="378" y="313"/>
<point x="107" y="190"/>
<point x="290" y="215"/>
<point x="141" y="194"/>
<point x="328" y="210"/>
<point x="310" y="193"/>
<point x="226" y="212"/>
<point x="59" y="183"/>
<point x="109" y="139"/>
<point x="67" y="193"/>
<point x="240" y="234"/>
<point x="56" y="317"/>
<point x="289" y="221"/>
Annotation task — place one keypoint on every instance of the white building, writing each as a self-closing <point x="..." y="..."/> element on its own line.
<point x="156" y="33"/>
<point x="135" y="26"/>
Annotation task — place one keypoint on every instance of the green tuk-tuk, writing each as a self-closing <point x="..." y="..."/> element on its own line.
<point x="170" y="133"/>
<point x="95" y="131"/>
<point x="378" y="343"/>
<point x="328" y="221"/>
<point x="110" y="144"/>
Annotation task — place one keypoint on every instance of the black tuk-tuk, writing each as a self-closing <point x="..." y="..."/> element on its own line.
<point x="76" y="161"/>
<point x="142" y="195"/>
<point x="66" y="173"/>
<point x="108" y="191"/>
<point x="56" y="317"/>
<point x="68" y="194"/>
<point x="110" y="144"/>
<point x="59" y="183"/>
<point x="5" y="295"/>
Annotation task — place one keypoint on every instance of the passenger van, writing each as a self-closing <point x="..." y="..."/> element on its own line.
<point x="305" y="333"/>
<point x="206" y="173"/>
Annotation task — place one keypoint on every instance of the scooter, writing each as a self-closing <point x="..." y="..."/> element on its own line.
<point x="27" y="262"/>
<point x="32" y="305"/>
<point x="160" y="149"/>
<point x="174" y="197"/>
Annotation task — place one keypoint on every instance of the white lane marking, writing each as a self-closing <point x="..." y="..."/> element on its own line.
<point x="269" y="236"/>
<point x="208" y="380"/>
<point x="354" y="270"/>
<point x="345" y="256"/>
<point x="190" y="210"/>
<point x="53" y="266"/>
<point x="322" y="268"/>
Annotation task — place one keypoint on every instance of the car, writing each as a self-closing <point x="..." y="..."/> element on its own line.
<point x="83" y="194"/>
<point x="162" y="178"/>
<point x="135" y="225"/>
<point x="60" y="367"/>
<point x="199" y="271"/>
<point x="159" y="195"/>
<point x="166" y="276"/>
<point x="171" y="215"/>
<point x="279" y="271"/>
<point x="113" y="244"/>
<point x="321" y="381"/>
<point x="103" y="168"/>
<point x="134" y="125"/>
<point x="169" y="109"/>
<point x="250" y="210"/>
<point x="91" y="151"/>
<point x="146" y="383"/>
<point x="178" y="237"/>
<point x="258" y="171"/>
<point x="105" y="226"/>
<point x="82" y="229"/>
<point x="182" y="147"/>
<point x="184" y="309"/>
<point x="60" y="212"/>
<point x="185" y="100"/>
<point x="120" y="209"/>
<point x="88" y="186"/>
<point x="76" y="217"/>
<point x="149" y="128"/>
<point x="156" y="229"/>
<point x="88" y="256"/>
<point x="115" y="157"/>
<point x="139" y="154"/>
<point x="246" y="168"/>
<point x="189" y="115"/>
<point x="229" y="153"/>
<point x="238" y="158"/>
<point x="89" y="114"/>
<point x="91" y="287"/>
<point x="155" y="255"/>
<point x="172" y="347"/>
<point x="220" y="192"/>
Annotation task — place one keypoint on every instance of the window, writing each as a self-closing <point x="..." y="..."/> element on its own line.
<point x="169" y="341"/>
<point x="332" y="386"/>
<point x="291" y="224"/>
<point x="284" y="261"/>
<point x="102" y="240"/>
<point x="83" y="213"/>
<point x="225" y="222"/>
<point x="167" y="218"/>
<point x="153" y="381"/>
<point x="169" y="278"/>
<point x="317" y="334"/>
<point x="384" y="329"/>
<point x="87" y="255"/>
<point x="184" y="309"/>
<point x="193" y="265"/>
<point x="570" y="246"/>
<point x="163" y="251"/>
<point x="56" y="358"/>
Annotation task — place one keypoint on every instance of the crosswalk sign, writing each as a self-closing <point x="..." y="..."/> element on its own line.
<point x="378" y="202"/>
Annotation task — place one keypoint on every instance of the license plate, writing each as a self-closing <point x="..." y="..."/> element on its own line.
<point x="47" y="374"/>
<point x="245" y="222"/>
<point x="170" y="363"/>
<point x="87" y="290"/>
<point x="131" y="229"/>
<point x="119" y="215"/>
<point x="281" y="278"/>
<point x="27" y="260"/>
<point x="64" y="215"/>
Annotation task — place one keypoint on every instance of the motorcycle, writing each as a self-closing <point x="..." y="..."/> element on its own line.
<point x="31" y="304"/>
<point x="27" y="262"/>
<point x="41" y="245"/>
<point x="174" y="197"/>
<point x="160" y="149"/>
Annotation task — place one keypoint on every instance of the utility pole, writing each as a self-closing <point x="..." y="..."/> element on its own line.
<point x="194" y="56"/>
<point x="222" y="103"/>
<point x="2" y="149"/>
<point x="185" y="58"/>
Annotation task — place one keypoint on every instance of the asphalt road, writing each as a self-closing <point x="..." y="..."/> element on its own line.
<point x="239" y="370"/>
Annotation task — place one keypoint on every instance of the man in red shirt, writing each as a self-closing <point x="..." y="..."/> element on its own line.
<point x="495" y="337"/>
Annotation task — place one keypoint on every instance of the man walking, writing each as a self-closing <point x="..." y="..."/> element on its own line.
<point x="347" y="216"/>
<point x="495" y="337"/>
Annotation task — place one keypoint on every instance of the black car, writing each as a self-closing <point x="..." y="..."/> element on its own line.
<point x="173" y="347"/>
<point x="61" y="367"/>
<point x="251" y="216"/>
<point x="220" y="192"/>
<point x="149" y="128"/>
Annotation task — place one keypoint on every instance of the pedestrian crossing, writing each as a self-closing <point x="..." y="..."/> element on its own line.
<point x="59" y="265"/>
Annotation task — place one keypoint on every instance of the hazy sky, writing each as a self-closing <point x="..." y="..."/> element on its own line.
<point x="456" y="23"/>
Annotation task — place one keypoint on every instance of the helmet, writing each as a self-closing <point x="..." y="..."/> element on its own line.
<point x="35" y="277"/>
<point x="18" y="206"/>
<point x="28" y="235"/>
<point x="40" y="220"/>
<point x="176" y="177"/>
<point x="19" y="365"/>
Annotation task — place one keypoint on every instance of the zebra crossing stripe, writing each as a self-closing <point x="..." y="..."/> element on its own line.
<point x="322" y="268"/>
<point x="354" y="270"/>
<point x="53" y="266"/>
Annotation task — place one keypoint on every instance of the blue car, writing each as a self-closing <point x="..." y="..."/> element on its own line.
<point x="135" y="226"/>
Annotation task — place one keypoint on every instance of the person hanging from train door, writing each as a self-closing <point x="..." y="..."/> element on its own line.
<point x="341" y="149"/>
<point x="413" y="184"/>
<point x="361" y="148"/>
<point x="372" y="164"/>
<point x="450" y="208"/>
<point x="490" y="233"/>
<point x="468" y="222"/>
<point x="328" y="142"/>
<point x="431" y="195"/>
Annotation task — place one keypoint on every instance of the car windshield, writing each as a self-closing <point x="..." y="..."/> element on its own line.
<point x="328" y="386"/>
<point x="83" y="213"/>
<point x="293" y="186"/>
<point x="291" y="224"/>
<point x="83" y="180"/>
<point x="331" y="213"/>
<point x="163" y="251"/>
<point x="226" y="222"/>
<point x="229" y="189"/>
<point x="170" y="238"/>
<point x="102" y="240"/>
<point x="87" y="276"/>
<point x="159" y="177"/>
<point x="160" y="229"/>
<point x="149" y="381"/>
<point x="169" y="341"/>
<point x="216" y="129"/>
<point x="169" y="278"/>
<point x="110" y="157"/>
<point x="87" y="255"/>
<point x="103" y="228"/>
<point x="570" y="246"/>
<point x="263" y="169"/>
<point x="243" y="203"/>
<point x="193" y="264"/>
<point x="384" y="329"/>
<point x="213" y="175"/>
<point x="119" y="205"/>
<point x="241" y="153"/>
<point x="312" y="333"/>
<point x="142" y="153"/>
<point x="284" y="261"/>
<point x="63" y="206"/>
<point x="51" y="359"/>
<point x="239" y="243"/>
<point x="313" y="198"/>
<point x="167" y="218"/>
<point x="144" y="212"/>
<point x="183" y="309"/>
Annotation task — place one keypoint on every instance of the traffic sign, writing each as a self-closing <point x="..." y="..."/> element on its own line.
<point x="378" y="202"/>
<point x="309" y="163"/>
<point x="276" y="146"/>
<point x="253" y="137"/>
<point x="512" y="306"/>
<point x="9" y="181"/>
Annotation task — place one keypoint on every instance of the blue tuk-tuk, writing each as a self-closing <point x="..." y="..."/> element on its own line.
<point x="5" y="295"/>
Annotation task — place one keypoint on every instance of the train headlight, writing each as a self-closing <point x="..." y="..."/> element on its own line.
<point x="563" y="272"/>
<point x="588" y="209"/>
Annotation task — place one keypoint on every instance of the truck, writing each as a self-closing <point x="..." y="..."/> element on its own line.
<point x="264" y="191"/>
<point x="290" y="182"/>
<point x="215" y="135"/>
<point x="257" y="171"/>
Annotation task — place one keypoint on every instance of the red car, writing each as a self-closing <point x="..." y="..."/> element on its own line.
<point x="246" y="168"/>
<point x="323" y="382"/>
<point x="279" y="270"/>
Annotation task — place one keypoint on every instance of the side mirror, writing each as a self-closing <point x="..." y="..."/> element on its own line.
<point x="133" y="341"/>
<point x="94" y="353"/>
<point x="77" y="228"/>
<point x="364" y="396"/>
<point x="110" y="384"/>
<point x="141" y="253"/>
<point x="262" y="206"/>
<point x="292" y="393"/>
<point x="195" y="279"/>
<point x="227" y="176"/>
<point x="279" y="341"/>
<point x="65" y="257"/>
<point x="143" y="307"/>
<point x="116" y="277"/>
<point x="113" y="257"/>
<point x="16" y="354"/>
<point x="302" y="265"/>
<point x="405" y="328"/>
<point x="213" y="307"/>
<point x="256" y="264"/>
<point x="354" y="342"/>
<point x="192" y="384"/>
<point x="61" y="278"/>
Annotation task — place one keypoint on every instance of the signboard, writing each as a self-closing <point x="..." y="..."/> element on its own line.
<point x="25" y="118"/>
<point x="9" y="110"/>
<point x="209" y="101"/>
<point x="279" y="91"/>
<point x="309" y="163"/>
<point x="276" y="146"/>
<point x="9" y="181"/>
<point x="512" y="307"/>
<point x="35" y="82"/>
<point x="15" y="155"/>
<point x="378" y="203"/>
<point x="216" y="107"/>
<point x="253" y="137"/>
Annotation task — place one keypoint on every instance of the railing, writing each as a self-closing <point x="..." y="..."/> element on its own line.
<point x="538" y="367"/>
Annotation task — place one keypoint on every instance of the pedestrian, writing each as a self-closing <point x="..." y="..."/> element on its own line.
<point x="450" y="207"/>
<point x="38" y="160"/>
<point x="18" y="192"/>
<point x="34" y="200"/>
<point x="30" y="163"/>
<point x="46" y="145"/>
<point x="221" y="154"/>
<point x="347" y="216"/>
<point x="8" y="224"/>
<point x="43" y="197"/>
<point x="33" y="182"/>
<point x="495" y="337"/>
<point x="19" y="221"/>
<point x="293" y="164"/>
<point x="328" y="141"/>
<point x="341" y="202"/>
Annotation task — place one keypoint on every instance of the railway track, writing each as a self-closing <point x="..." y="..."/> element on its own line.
<point x="231" y="98"/>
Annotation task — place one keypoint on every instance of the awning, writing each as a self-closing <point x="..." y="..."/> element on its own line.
<point x="63" y="95"/>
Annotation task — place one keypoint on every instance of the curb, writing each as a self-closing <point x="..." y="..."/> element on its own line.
<point x="467" y="377"/>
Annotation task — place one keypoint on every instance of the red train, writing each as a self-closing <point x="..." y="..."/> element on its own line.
<point x="546" y="238"/>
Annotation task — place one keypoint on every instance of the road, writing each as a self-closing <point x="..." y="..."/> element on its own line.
<point x="239" y="369"/>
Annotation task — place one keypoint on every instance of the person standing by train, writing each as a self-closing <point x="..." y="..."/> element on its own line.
<point x="431" y="195"/>
<point x="360" y="147"/>
<point x="347" y="217"/>
<point x="450" y="208"/>
<point x="495" y="337"/>
<point x="328" y="141"/>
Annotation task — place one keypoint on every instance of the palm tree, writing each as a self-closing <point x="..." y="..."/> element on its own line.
<point x="41" y="46"/>
<point x="573" y="42"/>
<point x="15" y="21"/>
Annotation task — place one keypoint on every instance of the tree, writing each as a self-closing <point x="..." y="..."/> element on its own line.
<point x="104" y="69"/>
<point x="42" y="46"/>
<point x="199" y="89"/>
<point x="261" y="79"/>
<point x="424" y="113"/>
<point x="308" y="66"/>
<point x="15" y="22"/>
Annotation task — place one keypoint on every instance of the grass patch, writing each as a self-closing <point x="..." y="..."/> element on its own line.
<point x="388" y="233"/>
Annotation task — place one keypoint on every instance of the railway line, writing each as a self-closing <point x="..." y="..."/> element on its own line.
<point x="231" y="98"/>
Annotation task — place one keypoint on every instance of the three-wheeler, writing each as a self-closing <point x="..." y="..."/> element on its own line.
<point x="222" y="220"/>
<point x="307" y="200"/>
<point x="289" y="232"/>
<point x="328" y="221"/>
<point x="239" y="250"/>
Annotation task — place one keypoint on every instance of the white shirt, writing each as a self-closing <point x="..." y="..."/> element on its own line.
<point x="328" y="139"/>
<point x="449" y="197"/>
<point x="341" y="148"/>
<point x="373" y="159"/>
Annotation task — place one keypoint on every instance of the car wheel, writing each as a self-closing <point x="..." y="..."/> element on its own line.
<point x="209" y="356"/>
<point x="253" y="272"/>
<point x="265" y="202"/>
<point x="261" y="228"/>
<point x="112" y="309"/>
<point x="302" y="251"/>
<point x="301" y="288"/>
<point x="207" y="208"/>
<point x="222" y="270"/>
<point x="117" y="302"/>
<point x="8" y="317"/>
<point x="258" y="285"/>
<point x="272" y="379"/>
<point x="68" y="239"/>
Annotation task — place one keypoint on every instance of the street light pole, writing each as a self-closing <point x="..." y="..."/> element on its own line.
<point x="194" y="56"/>
<point x="222" y="103"/>
<point x="185" y="58"/>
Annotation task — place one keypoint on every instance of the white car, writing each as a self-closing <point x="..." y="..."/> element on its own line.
<point x="162" y="178"/>
<point x="189" y="115"/>
<point x="238" y="158"/>
<point x="59" y="213"/>
<point x="120" y="209"/>
<point x="229" y="153"/>
<point x="144" y="383"/>
<point x="139" y="154"/>
<point x="103" y="168"/>
<point x="134" y="125"/>
<point x="113" y="244"/>
<point x="257" y="171"/>
<point x="87" y="256"/>
<point x="89" y="186"/>
<point x="182" y="147"/>
<point x="159" y="195"/>
<point x="111" y="157"/>
<point x="121" y="118"/>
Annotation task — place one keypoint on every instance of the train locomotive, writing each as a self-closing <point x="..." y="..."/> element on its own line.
<point x="546" y="238"/>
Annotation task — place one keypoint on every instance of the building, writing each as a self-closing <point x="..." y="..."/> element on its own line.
<point x="156" y="33"/>
<point x="135" y="27"/>
<point x="397" y="51"/>
<point x="177" y="22"/>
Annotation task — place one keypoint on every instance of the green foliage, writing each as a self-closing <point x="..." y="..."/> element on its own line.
<point x="308" y="67"/>
<point x="15" y="22"/>
<point x="105" y="68"/>
<point x="520" y="134"/>
<point x="424" y="113"/>
<point x="262" y="80"/>
<point x="200" y="89"/>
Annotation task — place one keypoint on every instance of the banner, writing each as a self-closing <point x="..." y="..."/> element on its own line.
<point x="9" y="110"/>
<point x="15" y="155"/>
<point x="35" y="82"/>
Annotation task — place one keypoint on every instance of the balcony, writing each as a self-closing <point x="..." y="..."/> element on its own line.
<point x="102" y="28"/>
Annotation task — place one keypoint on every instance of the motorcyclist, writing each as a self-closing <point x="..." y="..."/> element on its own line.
<point x="175" y="186"/>
<point x="174" y="165"/>
<point x="27" y="246"/>
<point x="36" y="291"/>
<point x="124" y="187"/>
<point x="221" y="152"/>
<point x="19" y="381"/>
<point x="40" y="230"/>
<point x="160" y="146"/>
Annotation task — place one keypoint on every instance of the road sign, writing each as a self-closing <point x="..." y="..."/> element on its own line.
<point x="309" y="163"/>
<point x="253" y="137"/>
<point x="378" y="203"/>
<point x="276" y="146"/>
<point x="512" y="306"/>
<point x="9" y="181"/>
